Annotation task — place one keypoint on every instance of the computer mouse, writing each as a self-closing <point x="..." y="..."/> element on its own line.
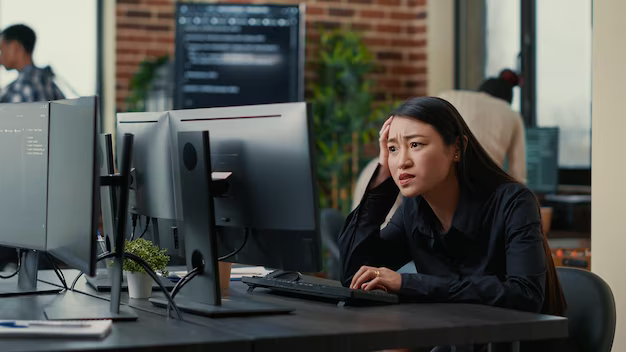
<point x="284" y="275"/>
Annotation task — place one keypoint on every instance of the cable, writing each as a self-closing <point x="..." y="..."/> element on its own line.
<point x="150" y="272"/>
<point x="181" y="283"/>
<point x="57" y="270"/>
<point x="145" y="228"/>
<point x="134" y="221"/>
<point x="246" y="233"/>
<point x="76" y="280"/>
<point x="19" y="266"/>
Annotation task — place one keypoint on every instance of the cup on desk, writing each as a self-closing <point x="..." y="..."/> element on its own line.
<point x="224" y="268"/>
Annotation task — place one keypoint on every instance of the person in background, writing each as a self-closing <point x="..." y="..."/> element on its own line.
<point x="33" y="84"/>
<point x="498" y="128"/>
<point x="17" y="44"/>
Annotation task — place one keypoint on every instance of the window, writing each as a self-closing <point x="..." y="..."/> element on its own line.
<point x="66" y="40"/>
<point x="503" y="40"/>
<point x="563" y="46"/>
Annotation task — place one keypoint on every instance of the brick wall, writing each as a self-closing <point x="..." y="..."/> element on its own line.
<point x="394" y="30"/>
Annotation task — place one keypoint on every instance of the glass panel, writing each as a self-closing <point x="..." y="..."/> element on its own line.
<point x="564" y="76"/>
<point x="503" y="40"/>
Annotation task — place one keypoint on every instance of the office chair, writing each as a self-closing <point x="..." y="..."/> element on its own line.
<point x="590" y="309"/>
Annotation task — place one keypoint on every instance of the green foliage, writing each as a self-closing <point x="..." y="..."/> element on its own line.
<point x="344" y="114"/>
<point x="141" y="82"/>
<point x="146" y="250"/>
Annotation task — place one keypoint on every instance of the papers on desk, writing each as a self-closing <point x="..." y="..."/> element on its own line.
<point x="46" y="328"/>
<point x="237" y="272"/>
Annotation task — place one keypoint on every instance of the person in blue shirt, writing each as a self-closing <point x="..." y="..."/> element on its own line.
<point x="17" y="44"/>
<point x="473" y="232"/>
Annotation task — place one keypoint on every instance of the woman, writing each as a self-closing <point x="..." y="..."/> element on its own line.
<point x="473" y="232"/>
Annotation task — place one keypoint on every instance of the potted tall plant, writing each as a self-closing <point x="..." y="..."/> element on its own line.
<point x="346" y="114"/>
<point x="139" y="282"/>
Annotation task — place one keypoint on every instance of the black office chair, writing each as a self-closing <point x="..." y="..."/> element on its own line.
<point x="590" y="309"/>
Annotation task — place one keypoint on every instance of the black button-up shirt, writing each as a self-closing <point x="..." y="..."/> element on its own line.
<point x="493" y="253"/>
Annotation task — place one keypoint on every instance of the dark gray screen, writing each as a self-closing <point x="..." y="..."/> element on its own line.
<point x="23" y="174"/>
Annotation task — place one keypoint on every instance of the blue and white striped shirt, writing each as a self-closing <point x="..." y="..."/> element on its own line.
<point x="33" y="84"/>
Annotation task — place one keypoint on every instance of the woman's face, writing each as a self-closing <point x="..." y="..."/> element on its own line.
<point x="419" y="160"/>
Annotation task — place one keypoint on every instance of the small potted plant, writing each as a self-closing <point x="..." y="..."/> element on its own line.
<point x="139" y="282"/>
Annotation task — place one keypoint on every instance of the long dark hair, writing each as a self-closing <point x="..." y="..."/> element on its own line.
<point x="477" y="173"/>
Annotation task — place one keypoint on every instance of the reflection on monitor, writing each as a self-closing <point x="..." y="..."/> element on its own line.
<point x="23" y="181"/>
<point x="542" y="159"/>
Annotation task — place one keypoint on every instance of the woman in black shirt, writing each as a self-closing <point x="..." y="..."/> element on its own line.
<point x="473" y="232"/>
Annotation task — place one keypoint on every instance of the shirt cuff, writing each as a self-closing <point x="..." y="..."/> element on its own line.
<point x="423" y="286"/>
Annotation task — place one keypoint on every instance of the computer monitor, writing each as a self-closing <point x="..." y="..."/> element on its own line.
<point x="542" y="159"/>
<point x="51" y="186"/>
<point x="151" y="185"/>
<point x="272" y="190"/>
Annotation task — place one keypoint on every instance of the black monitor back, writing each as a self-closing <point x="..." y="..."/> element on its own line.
<point x="272" y="192"/>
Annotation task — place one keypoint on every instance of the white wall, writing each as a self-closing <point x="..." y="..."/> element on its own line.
<point x="440" y="45"/>
<point x="608" y="229"/>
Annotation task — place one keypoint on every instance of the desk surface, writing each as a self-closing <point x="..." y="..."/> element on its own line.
<point x="150" y="332"/>
<point x="316" y="326"/>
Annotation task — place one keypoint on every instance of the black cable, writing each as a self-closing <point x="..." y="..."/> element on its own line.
<point x="134" y="222"/>
<point x="76" y="280"/>
<point x="181" y="283"/>
<point x="19" y="266"/>
<point x="150" y="272"/>
<point x="246" y="233"/>
<point x="56" y="270"/>
<point x="145" y="228"/>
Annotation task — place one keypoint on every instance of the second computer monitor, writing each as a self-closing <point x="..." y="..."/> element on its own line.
<point x="272" y="192"/>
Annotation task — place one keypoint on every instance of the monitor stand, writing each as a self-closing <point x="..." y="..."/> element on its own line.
<point x="77" y="306"/>
<point x="26" y="282"/>
<point x="202" y="294"/>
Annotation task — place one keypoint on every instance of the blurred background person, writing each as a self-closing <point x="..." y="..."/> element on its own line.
<point x="17" y="44"/>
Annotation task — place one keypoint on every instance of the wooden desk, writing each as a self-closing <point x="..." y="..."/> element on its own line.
<point x="321" y="326"/>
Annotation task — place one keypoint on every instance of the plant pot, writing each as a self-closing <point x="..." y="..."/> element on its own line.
<point x="139" y="285"/>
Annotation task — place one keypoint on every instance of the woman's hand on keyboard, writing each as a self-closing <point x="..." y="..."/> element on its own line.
<point x="370" y="278"/>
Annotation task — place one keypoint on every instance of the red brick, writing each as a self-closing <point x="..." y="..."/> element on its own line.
<point x="409" y="43"/>
<point x="415" y="84"/>
<point x="389" y="2"/>
<point x="389" y="55"/>
<point x="372" y="14"/>
<point x="360" y="1"/>
<point x="417" y="2"/>
<point x="359" y="27"/>
<point x="416" y="29"/>
<point x="328" y="25"/>
<point x="421" y="15"/>
<point x="130" y="51"/>
<point x="315" y="10"/>
<point x="129" y="26"/>
<point x="418" y="57"/>
<point x="407" y="70"/>
<point x="128" y="1"/>
<point x="133" y="38"/>
<point x="402" y="16"/>
<point x="167" y="15"/>
<point x="341" y="12"/>
<point x="389" y="28"/>
<point x="144" y="14"/>
<point x="390" y="83"/>
<point x="375" y="41"/>
<point x="159" y="2"/>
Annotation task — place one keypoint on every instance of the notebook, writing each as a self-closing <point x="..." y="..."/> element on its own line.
<point x="45" y="328"/>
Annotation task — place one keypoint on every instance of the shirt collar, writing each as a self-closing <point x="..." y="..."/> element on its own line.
<point x="466" y="220"/>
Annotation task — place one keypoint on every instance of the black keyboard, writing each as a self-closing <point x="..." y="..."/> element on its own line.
<point x="322" y="288"/>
